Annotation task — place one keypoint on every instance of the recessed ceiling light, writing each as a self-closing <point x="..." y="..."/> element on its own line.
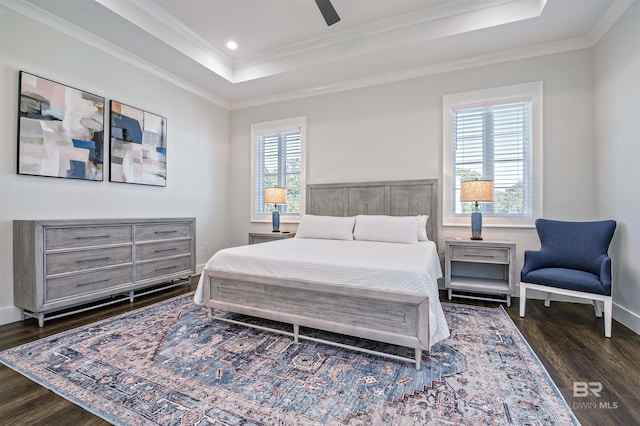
<point x="232" y="45"/>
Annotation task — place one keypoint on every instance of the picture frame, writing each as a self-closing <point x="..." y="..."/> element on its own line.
<point x="60" y="130"/>
<point x="138" y="152"/>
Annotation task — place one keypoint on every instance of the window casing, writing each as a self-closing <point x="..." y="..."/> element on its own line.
<point x="494" y="134"/>
<point x="278" y="160"/>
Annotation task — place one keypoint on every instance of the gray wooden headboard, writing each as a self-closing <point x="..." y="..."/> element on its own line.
<point x="393" y="198"/>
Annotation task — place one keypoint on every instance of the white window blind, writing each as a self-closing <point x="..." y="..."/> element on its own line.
<point x="494" y="142"/>
<point x="278" y="161"/>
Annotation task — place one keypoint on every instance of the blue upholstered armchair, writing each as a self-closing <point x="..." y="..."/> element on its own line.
<point x="573" y="260"/>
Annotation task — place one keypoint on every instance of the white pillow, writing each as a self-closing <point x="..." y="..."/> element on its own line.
<point x="326" y="227"/>
<point x="422" y="227"/>
<point x="391" y="229"/>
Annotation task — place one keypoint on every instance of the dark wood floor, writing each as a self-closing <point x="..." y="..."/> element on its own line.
<point x="567" y="338"/>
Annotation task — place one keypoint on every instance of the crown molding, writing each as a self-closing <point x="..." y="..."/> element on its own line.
<point x="606" y="21"/>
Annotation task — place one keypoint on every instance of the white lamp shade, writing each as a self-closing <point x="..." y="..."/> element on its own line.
<point x="275" y="195"/>
<point x="472" y="191"/>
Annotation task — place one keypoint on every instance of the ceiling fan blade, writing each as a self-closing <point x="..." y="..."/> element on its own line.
<point x="328" y="12"/>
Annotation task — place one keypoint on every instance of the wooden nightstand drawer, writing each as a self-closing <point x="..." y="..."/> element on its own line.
<point x="480" y="254"/>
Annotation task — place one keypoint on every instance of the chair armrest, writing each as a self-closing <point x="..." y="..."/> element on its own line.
<point x="605" y="270"/>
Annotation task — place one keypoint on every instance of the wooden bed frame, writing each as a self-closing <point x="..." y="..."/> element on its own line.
<point x="384" y="316"/>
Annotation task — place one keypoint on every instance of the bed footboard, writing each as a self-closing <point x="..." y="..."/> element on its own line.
<point x="395" y="318"/>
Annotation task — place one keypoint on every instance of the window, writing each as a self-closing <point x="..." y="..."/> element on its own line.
<point x="277" y="156"/>
<point x="494" y="134"/>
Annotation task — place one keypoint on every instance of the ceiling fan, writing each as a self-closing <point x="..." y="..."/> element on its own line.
<point x="328" y="12"/>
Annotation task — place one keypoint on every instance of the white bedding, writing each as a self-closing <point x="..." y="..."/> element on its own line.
<point x="406" y="268"/>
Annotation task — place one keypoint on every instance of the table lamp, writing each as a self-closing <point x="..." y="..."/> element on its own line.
<point x="275" y="196"/>
<point x="476" y="191"/>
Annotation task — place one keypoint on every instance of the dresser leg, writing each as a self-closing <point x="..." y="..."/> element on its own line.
<point x="296" y="331"/>
<point x="40" y="320"/>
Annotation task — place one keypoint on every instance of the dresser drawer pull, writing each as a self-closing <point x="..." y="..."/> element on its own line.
<point x="93" y="260"/>
<point x="163" y="250"/>
<point x="165" y="268"/>
<point x="93" y="282"/>
<point x="166" y="232"/>
<point x="93" y="236"/>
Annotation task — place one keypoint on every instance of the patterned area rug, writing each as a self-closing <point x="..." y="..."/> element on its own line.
<point x="167" y="364"/>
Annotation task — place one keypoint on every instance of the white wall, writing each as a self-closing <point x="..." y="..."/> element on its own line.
<point x="394" y="131"/>
<point x="616" y="60"/>
<point x="197" y="146"/>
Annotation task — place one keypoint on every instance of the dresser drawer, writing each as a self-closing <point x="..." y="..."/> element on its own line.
<point x="71" y="261"/>
<point x="163" y="267"/>
<point x="151" y="251"/>
<point x="162" y="231"/>
<point x="87" y="283"/>
<point x="85" y="236"/>
<point x="480" y="254"/>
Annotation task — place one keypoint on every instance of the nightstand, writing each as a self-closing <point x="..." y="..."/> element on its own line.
<point x="480" y="266"/>
<point x="264" y="237"/>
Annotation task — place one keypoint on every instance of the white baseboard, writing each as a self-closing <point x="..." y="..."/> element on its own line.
<point x="9" y="314"/>
<point x="200" y="268"/>
<point x="629" y="319"/>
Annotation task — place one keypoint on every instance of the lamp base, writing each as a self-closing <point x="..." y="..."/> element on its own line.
<point x="476" y="225"/>
<point x="275" y="220"/>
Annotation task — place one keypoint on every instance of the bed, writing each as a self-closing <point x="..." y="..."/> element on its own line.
<point x="374" y="285"/>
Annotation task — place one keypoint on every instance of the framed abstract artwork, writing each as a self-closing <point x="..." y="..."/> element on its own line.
<point x="60" y="130"/>
<point x="138" y="146"/>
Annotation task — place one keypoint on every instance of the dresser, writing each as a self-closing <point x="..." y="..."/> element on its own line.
<point x="68" y="266"/>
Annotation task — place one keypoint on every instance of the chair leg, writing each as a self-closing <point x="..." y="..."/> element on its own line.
<point x="547" y="300"/>
<point x="597" y="308"/>
<point x="523" y="299"/>
<point x="608" y="308"/>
